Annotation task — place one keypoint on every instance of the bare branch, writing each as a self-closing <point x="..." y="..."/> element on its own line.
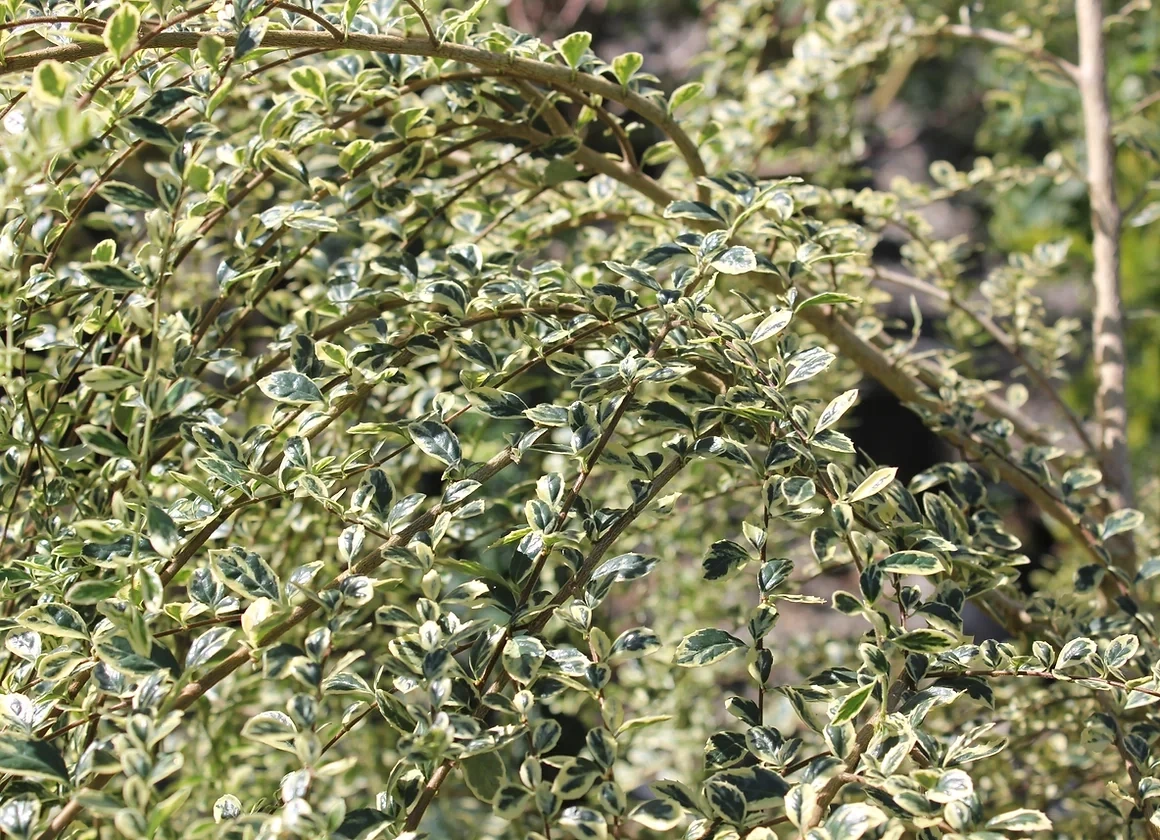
<point x="507" y="64"/>
<point x="1006" y="40"/>
<point x="1108" y="319"/>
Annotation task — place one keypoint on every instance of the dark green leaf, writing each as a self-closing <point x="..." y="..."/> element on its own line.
<point x="290" y="387"/>
<point x="437" y="440"/>
<point x="704" y="647"/>
<point x="31" y="758"/>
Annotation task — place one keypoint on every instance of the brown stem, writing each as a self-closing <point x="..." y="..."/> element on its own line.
<point x="44" y="20"/>
<point x="506" y="64"/>
<point x="1107" y="317"/>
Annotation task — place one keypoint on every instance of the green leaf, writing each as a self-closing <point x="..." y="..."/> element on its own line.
<point x="152" y="132"/>
<point x="583" y="823"/>
<point x="704" y="647"/>
<point x="1021" y="819"/>
<point x="54" y="620"/>
<point x="108" y="379"/>
<point x="354" y="152"/>
<point x="163" y="533"/>
<point x="624" y="67"/>
<point x="634" y="274"/>
<point x="559" y="171"/>
<point x="437" y="440"/>
<point x="723" y="559"/>
<point x="1146" y="216"/>
<point x="111" y="276"/>
<point x="290" y="387"/>
<point x="1149" y="569"/>
<point x="405" y="121"/>
<point x="210" y="48"/>
<point x="873" y="484"/>
<point x="809" y="364"/>
<point x="31" y="758"/>
<point x="394" y="712"/>
<point x="773" y="323"/>
<point x="165" y="100"/>
<point x="576" y="778"/>
<point x="744" y="709"/>
<point x="692" y="210"/>
<point x="573" y="47"/>
<point x="625" y="567"/>
<point x="346" y="683"/>
<point x="119" y="652"/>
<point x="249" y="39"/>
<point x="724" y="749"/>
<point x="1120" y="650"/>
<point x="546" y="734"/>
<point x="360" y="823"/>
<point x="121" y="30"/>
<point x="726" y="801"/>
<point x="93" y="591"/>
<point x="206" y="646"/>
<point x="484" y="775"/>
<point x="833" y="412"/>
<point x="1120" y="522"/>
<point x="912" y="563"/>
<point x="50" y="82"/>
<point x="1079" y="478"/>
<point x="602" y="745"/>
<point x="828" y="298"/>
<point x="502" y="405"/>
<point x="798" y="490"/>
<point x="736" y="260"/>
<point x="103" y="442"/>
<point x="522" y="658"/>
<point x="274" y="729"/>
<point x="853" y="703"/>
<point x="126" y="195"/>
<point x="309" y="81"/>
<point x="657" y="814"/>
<point x="287" y="165"/>
<point x="684" y="94"/>
<point x="510" y="802"/>
<point x="1075" y="652"/>
<point x="634" y="644"/>
<point x="953" y="786"/>
<point x="853" y="820"/>
<point x="246" y="573"/>
<point x="925" y="641"/>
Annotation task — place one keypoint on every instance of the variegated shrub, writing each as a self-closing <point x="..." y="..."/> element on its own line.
<point x="396" y="442"/>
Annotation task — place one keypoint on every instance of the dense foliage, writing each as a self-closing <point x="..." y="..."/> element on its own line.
<point x="413" y="428"/>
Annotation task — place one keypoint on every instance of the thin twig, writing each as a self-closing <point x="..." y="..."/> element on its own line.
<point x="998" y="38"/>
<point x="48" y="20"/>
<point x="423" y="17"/>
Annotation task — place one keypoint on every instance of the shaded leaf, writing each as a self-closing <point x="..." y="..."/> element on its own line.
<point x="704" y="647"/>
